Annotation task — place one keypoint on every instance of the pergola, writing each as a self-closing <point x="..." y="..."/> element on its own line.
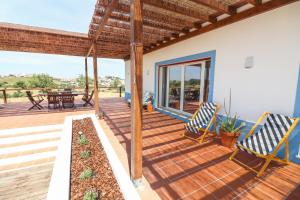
<point x="127" y="29"/>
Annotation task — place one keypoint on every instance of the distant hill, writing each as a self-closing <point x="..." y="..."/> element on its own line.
<point x="13" y="81"/>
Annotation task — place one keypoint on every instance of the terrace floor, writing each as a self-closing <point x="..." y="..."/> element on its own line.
<point x="178" y="168"/>
<point x="16" y="115"/>
<point x="175" y="167"/>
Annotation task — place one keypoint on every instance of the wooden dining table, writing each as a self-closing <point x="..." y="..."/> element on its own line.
<point x="60" y="95"/>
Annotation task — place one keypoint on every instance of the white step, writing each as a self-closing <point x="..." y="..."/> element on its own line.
<point x="26" y="138"/>
<point x="31" y="129"/>
<point x="26" y="158"/>
<point x="10" y="135"/>
<point x="15" y="149"/>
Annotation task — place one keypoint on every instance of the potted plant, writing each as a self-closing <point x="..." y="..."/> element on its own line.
<point x="230" y="127"/>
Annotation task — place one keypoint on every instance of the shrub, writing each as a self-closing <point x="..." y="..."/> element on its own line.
<point x="91" y="194"/>
<point x="20" y="84"/>
<point x="82" y="140"/>
<point x="87" y="173"/>
<point x="17" y="94"/>
<point x="41" y="81"/>
<point x="85" y="154"/>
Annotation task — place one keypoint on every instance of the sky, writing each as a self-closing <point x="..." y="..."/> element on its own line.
<point x="68" y="15"/>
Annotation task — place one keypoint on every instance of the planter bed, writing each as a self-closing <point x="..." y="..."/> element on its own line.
<point x="104" y="174"/>
<point x="103" y="180"/>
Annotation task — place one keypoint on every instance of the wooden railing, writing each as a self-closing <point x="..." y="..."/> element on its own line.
<point x="5" y="91"/>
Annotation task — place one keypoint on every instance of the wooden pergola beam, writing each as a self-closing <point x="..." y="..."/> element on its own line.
<point x="123" y="29"/>
<point x="147" y="22"/>
<point x="258" y="9"/>
<point x="147" y="14"/>
<point x="215" y="5"/>
<point x="108" y="12"/>
<point x="126" y="25"/>
<point x="136" y="45"/>
<point x="176" y="9"/>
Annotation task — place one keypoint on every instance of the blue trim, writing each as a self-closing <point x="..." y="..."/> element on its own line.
<point x="297" y="101"/>
<point x="208" y="54"/>
<point x="171" y="114"/>
<point x="127" y="95"/>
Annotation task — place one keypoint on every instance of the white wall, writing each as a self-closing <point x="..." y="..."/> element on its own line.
<point x="273" y="38"/>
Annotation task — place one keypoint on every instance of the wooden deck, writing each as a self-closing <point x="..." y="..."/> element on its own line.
<point x="16" y="115"/>
<point x="178" y="168"/>
<point x="23" y="184"/>
<point x="175" y="167"/>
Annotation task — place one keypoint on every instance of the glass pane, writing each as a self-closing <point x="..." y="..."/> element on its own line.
<point x="174" y="87"/>
<point x="192" y="79"/>
<point x="163" y="71"/>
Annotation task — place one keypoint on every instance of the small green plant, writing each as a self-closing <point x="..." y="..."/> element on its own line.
<point x="82" y="140"/>
<point x="87" y="173"/>
<point x="91" y="194"/>
<point x="230" y="124"/>
<point x="85" y="154"/>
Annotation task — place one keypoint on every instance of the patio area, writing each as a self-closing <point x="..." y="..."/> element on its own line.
<point x="175" y="167"/>
<point x="178" y="168"/>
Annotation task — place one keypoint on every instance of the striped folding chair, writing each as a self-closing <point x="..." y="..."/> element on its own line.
<point x="201" y="121"/>
<point x="266" y="142"/>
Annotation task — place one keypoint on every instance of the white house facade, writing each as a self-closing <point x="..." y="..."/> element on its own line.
<point x="258" y="59"/>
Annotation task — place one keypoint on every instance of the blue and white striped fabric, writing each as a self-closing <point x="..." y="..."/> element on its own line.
<point x="265" y="140"/>
<point x="202" y="118"/>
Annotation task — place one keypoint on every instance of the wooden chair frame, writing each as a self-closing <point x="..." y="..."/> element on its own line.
<point x="205" y="131"/>
<point x="35" y="103"/>
<point x="271" y="156"/>
<point x="88" y="98"/>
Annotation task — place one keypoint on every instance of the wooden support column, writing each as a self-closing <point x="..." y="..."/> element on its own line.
<point x="96" y="92"/>
<point x="136" y="56"/>
<point x="86" y="78"/>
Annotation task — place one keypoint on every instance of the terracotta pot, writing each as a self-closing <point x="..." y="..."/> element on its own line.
<point x="229" y="139"/>
<point x="149" y="107"/>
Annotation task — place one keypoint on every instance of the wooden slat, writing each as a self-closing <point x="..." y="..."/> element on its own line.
<point x="108" y="11"/>
<point x="147" y="22"/>
<point x="215" y="5"/>
<point x="147" y="14"/>
<point x="176" y="9"/>
<point x="136" y="45"/>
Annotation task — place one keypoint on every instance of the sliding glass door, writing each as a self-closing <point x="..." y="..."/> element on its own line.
<point x="174" y="87"/>
<point x="183" y="86"/>
<point x="192" y="82"/>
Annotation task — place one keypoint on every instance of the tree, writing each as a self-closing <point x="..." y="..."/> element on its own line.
<point x="2" y="84"/>
<point x="81" y="81"/>
<point x="20" y="84"/>
<point x="116" y="83"/>
<point x="41" y="81"/>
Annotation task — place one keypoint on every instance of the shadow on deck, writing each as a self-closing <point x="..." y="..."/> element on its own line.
<point x="178" y="168"/>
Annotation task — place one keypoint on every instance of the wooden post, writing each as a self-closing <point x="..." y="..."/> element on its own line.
<point x="4" y="96"/>
<point x="96" y="93"/>
<point x="86" y="78"/>
<point x="136" y="56"/>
